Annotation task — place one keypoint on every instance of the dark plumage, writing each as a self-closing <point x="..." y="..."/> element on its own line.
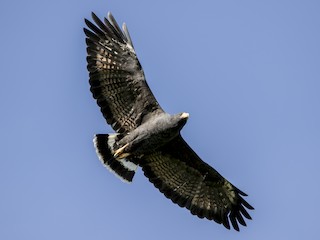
<point x="148" y="137"/>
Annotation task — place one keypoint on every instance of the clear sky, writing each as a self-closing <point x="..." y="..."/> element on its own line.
<point x="248" y="72"/>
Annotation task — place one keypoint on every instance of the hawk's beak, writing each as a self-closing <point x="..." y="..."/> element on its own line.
<point x="184" y="115"/>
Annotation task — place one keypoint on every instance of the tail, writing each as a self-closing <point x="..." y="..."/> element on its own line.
<point x="122" y="168"/>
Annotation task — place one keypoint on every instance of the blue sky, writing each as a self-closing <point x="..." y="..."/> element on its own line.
<point x="246" y="71"/>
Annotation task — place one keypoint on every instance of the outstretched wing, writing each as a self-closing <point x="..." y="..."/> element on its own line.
<point x="116" y="77"/>
<point x="178" y="172"/>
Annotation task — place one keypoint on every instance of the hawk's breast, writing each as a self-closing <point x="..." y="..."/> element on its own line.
<point x="152" y="134"/>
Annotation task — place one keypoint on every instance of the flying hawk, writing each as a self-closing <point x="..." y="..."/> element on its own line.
<point x="147" y="136"/>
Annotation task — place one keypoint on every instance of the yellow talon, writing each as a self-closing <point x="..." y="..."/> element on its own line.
<point x="119" y="154"/>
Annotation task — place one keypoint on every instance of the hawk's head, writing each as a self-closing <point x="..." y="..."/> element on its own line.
<point x="181" y="120"/>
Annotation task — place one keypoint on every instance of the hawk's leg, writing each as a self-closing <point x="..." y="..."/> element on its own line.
<point x="119" y="153"/>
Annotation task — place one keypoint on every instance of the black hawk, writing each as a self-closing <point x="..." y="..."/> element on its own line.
<point x="147" y="136"/>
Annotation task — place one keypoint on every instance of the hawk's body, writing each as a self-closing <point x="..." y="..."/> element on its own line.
<point x="152" y="134"/>
<point x="149" y="137"/>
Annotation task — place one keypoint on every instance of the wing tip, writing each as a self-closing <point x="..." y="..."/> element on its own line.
<point x="109" y="15"/>
<point x="110" y="28"/>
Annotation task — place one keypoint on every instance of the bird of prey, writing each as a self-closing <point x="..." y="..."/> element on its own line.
<point x="148" y="137"/>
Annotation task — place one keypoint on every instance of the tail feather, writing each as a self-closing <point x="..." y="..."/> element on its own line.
<point x="122" y="168"/>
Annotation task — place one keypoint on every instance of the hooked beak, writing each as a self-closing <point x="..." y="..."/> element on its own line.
<point x="184" y="115"/>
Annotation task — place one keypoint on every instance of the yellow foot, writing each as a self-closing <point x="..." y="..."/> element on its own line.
<point x="119" y="154"/>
